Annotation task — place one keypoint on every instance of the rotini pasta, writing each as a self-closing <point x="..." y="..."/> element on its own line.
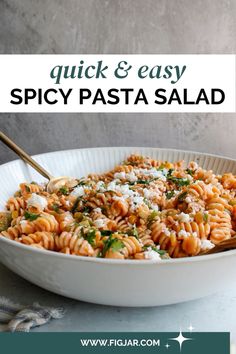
<point x="142" y="209"/>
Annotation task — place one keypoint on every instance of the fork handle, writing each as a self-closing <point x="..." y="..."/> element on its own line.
<point x="24" y="156"/>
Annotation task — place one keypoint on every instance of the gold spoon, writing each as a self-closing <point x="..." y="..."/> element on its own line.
<point x="54" y="184"/>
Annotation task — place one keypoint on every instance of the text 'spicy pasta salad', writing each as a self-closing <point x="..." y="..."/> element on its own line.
<point x="142" y="209"/>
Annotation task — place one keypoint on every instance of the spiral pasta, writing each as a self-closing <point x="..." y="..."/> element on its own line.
<point x="142" y="209"/>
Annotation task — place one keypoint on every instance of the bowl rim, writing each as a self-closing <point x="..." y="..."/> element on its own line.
<point x="51" y="153"/>
<point x="114" y="261"/>
<point x="119" y="261"/>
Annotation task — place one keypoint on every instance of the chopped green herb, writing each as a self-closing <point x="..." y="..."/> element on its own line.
<point x="87" y="209"/>
<point x="170" y="171"/>
<point x="64" y="190"/>
<point x="104" y="209"/>
<point x="76" y="203"/>
<point x="27" y="188"/>
<point x="161" y="167"/>
<point x="33" y="182"/>
<point x="182" y="196"/>
<point x="31" y="216"/>
<point x="112" y="243"/>
<point x="179" y="181"/>
<point x="106" y="232"/>
<point x="161" y="252"/>
<point x="190" y="172"/>
<point x="152" y="216"/>
<point x="134" y="232"/>
<point x="56" y="207"/>
<point x="81" y="182"/>
<point x="140" y="181"/>
<point x="205" y="217"/>
<point x="232" y="202"/>
<point x="99" y="255"/>
<point x="170" y="194"/>
<point x="91" y="236"/>
<point x="117" y="245"/>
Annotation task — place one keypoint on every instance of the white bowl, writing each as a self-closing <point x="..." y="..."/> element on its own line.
<point x="110" y="281"/>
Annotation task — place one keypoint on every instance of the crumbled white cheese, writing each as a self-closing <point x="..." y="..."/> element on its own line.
<point x="111" y="186"/>
<point x="151" y="254"/>
<point x="131" y="177"/>
<point x="37" y="201"/>
<point x="97" y="210"/>
<point x="100" y="186"/>
<point x="136" y="201"/>
<point x="154" y="207"/>
<point x="125" y="190"/>
<point x="120" y="175"/>
<point x="184" y="217"/>
<point x="188" y="200"/>
<point x="166" y="232"/>
<point x="194" y="234"/>
<point x="183" y="233"/>
<point x="78" y="192"/>
<point x="206" y="245"/>
<point x="149" y="193"/>
<point x="23" y="222"/>
<point x="68" y="217"/>
<point x="100" y="223"/>
<point x="152" y="172"/>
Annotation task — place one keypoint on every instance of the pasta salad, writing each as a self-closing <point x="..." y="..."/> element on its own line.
<point x="142" y="209"/>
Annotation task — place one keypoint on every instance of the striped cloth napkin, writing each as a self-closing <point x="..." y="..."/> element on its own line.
<point x="19" y="318"/>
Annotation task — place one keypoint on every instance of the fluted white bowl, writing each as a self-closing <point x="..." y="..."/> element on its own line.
<point x="110" y="281"/>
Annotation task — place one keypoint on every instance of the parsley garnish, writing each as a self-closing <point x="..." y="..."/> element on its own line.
<point x="76" y="204"/>
<point x="190" y="172"/>
<point x="161" y="167"/>
<point x="91" y="236"/>
<point x="205" y="217"/>
<point x="170" y="194"/>
<point x="140" y="181"/>
<point x="134" y="232"/>
<point x="27" y="188"/>
<point x="56" y="207"/>
<point x="106" y="232"/>
<point x="152" y="216"/>
<point x="161" y="252"/>
<point x="179" y="181"/>
<point x="182" y="196"/>
<point x="87" y="209"/>
<point x="169" y="173"/>
<point x="112" y="243"/>
<point x="64" y="190"/>
<point x="31" y="216"/>
<point x="81" y="182"/>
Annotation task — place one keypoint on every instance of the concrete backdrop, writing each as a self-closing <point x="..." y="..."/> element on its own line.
<point x="118" y="26"/>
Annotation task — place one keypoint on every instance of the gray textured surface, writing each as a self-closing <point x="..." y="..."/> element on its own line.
<point x="213" y="313"/>
<point x="120" y="26"/>
<point x="39" y="133"/>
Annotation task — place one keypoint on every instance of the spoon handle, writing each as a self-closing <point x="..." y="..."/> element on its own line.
<point x="24" y="156"/>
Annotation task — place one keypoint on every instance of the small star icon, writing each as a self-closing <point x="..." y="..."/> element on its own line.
<point x="167" y="346"/>
<point x="180" y="339"/>
<point x="190" y="328"/>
